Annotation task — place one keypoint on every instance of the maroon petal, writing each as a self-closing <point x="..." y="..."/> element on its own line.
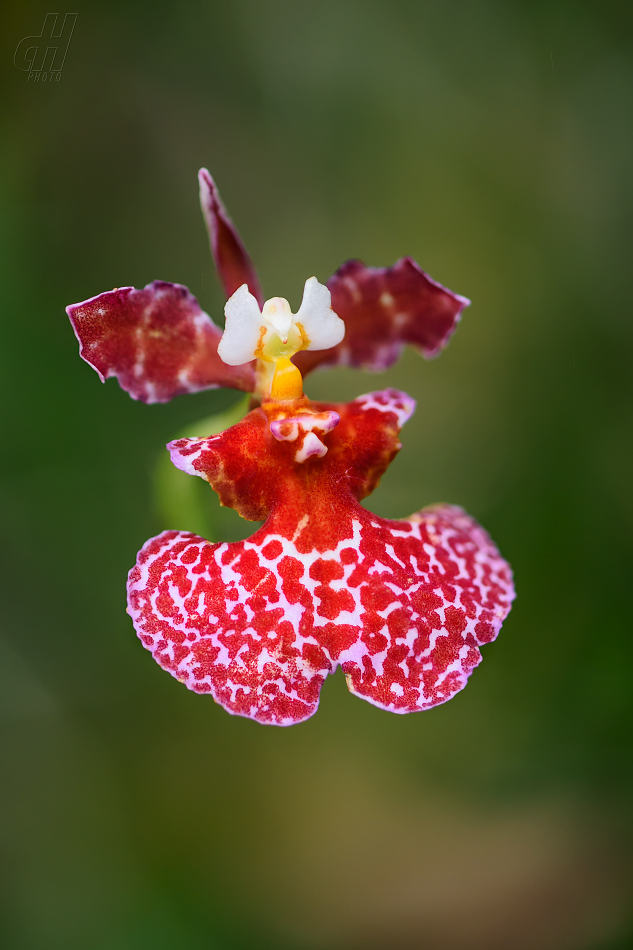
<point x="231" y="257"/>
<point x="156" y="341"/>
<point x="383" y="308"/>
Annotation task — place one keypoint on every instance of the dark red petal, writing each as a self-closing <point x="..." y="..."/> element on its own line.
<point x="384" y="308"/>
<point x="231" y="257"/>
<point x="156" y="341"/>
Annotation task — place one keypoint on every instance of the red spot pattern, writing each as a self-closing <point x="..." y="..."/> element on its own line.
<point x="401" y="606"/>
<point x="383" y="308"/>
<point x="156" y="341"/>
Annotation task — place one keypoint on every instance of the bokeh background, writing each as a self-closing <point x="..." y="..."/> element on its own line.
<point x="493" y="142"/>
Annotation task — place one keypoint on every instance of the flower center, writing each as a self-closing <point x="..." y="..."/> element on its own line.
<point x="274" y="334"/>
<point x="280" y="339"/>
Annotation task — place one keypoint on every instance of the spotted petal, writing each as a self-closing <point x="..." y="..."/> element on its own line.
<point x="402" y="606"/>
<point x="157" y="342"/>
<point x="215" y="618"/>
<point x="433" y="589"/>
<point x="383" y="308"/>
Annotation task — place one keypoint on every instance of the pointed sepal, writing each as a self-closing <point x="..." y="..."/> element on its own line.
<point x="231" y="257"/>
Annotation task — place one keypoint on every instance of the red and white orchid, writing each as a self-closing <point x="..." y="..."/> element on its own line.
<point x="401" y="606"/>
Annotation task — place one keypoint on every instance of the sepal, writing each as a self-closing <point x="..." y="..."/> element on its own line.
<point x="157" y="341"/>
<point x="231" y="257"/>
<point x="383" y="308"/>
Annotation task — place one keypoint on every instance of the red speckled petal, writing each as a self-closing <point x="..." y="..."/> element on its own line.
<point x="156" y="341"/>
<point x="433" y="589"/>
<point x="216" y="618"/>
<point x="383" y="308"/>
<point x="402" y="606"/>
<point x="231" y="257"/>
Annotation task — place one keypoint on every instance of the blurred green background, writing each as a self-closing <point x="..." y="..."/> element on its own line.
<point x="493" y="142"/>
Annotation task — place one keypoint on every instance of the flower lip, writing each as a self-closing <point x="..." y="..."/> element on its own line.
<point x="403" y="607"/>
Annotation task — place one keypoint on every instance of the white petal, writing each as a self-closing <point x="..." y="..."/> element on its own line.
<point x="323" y="327"/>
<point x="243" y="327"/>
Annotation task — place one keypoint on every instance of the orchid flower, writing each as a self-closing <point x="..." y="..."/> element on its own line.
<point x="401" y="606"/>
